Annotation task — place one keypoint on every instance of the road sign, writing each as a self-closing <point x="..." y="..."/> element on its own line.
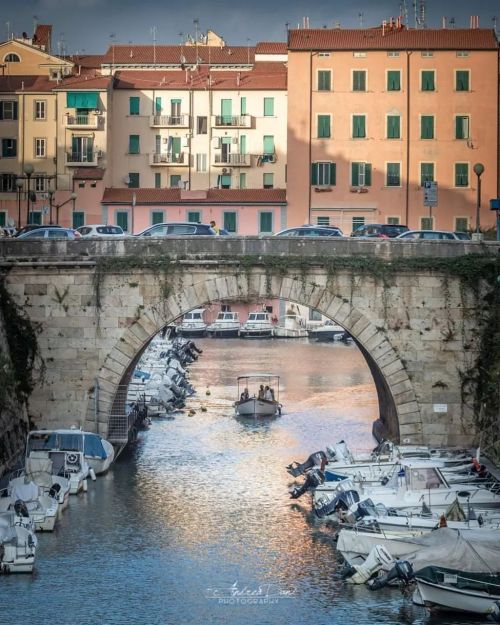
<point x="430" y="193"/>
<point x="45" y="210"/>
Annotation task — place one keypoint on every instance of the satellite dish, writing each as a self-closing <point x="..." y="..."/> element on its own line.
<point x="126" y="179"/>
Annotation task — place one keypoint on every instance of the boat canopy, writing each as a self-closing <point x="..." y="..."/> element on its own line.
<point x="67" y="440"/>
<point x="258" y="375"/>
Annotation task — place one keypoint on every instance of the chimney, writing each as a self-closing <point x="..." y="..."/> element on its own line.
<point x="444" y="21"/>
<point x="384" y="24"/>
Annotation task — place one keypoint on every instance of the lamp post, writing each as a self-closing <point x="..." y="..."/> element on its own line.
<point x="28" y="171"/>
<point x="478" y="170"/>
<point x="71" y="198"/>
<point x="51" y="197"/>
<point x="19" y="185"/>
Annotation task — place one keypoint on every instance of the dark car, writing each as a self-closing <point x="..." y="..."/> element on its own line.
<point x="30" y="227"/>
<point x="310" y="231"/>
<point x="379" y="231"/>
<point x="50" y="232"/>
<point x="177" y="229"/>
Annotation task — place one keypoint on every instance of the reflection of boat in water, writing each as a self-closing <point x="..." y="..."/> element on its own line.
<point x="254" y="400"/>
<point x="193" y="324"/>
<point x="258" y="325"/>
<point x="328" y="332"/>
<point x="290" y="327"/>
<point x="227" y="325"/>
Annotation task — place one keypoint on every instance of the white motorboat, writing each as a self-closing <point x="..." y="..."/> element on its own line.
<point x="39" y="470"/>
<point x="257" y="326"/>
<point x="290" y="327"/>
<point x="42" y="509"/>
<point x="227" y="325"/>
<point x="327" y="332"/>
<point x="193" y="324"/>
<point x="17" y="545"/>
<point x="255" y="400"/>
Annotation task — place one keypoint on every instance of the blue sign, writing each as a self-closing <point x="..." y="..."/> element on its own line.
<point x="495" y="204"/>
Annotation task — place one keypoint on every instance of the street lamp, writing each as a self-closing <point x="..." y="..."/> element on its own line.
<point x="478" y="170"/>
<point x="71" y="198"/>
<point x="19" y="185"/>
<point x="51" y="197"/>
<point x="28" y="171"/>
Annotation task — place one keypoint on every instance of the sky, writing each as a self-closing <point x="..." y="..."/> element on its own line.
<point x="89" y="26"/>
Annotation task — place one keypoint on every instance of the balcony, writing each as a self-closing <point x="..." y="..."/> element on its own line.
<point x="88" y="121"/>
<point x="88" y="158"/>
<point x="232" y="160"/>
<point x="174" y="160"/>
<point x="232" y="121"/>
<point x="169" y="121"/>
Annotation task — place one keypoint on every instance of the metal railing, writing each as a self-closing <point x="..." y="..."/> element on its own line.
<point x="85" y="157"/>
<point x="169" y="120"/>
<point x="83" y="120"/>
<point x="234" y="121"/>
<point x="234" y="159"/>
<point x="167" y="159"/>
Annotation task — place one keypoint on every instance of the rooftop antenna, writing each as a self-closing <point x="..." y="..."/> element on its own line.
<point x="248" y="51"/>
<point x="61" y="46"/>
<point x="35" y="22"/>
<point x="451" y="22"/>
<point x="494" y="20"/>
<point x="112" y="37"/>
<point x="361" y="16"/>
<point x="403" y="10"/>
<point x="153" y="33"/>
<point x="7" y="26"/>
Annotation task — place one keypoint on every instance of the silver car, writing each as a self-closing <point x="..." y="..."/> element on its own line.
<point x="100" y="230"/>
<point x="431" y="235"/>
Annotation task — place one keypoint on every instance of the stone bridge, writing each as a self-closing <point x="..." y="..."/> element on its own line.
<point x="98" y="304"/>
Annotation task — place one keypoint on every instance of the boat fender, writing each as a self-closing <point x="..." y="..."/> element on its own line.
<point x="85" y="486"/>
<point x="92" y="475"/>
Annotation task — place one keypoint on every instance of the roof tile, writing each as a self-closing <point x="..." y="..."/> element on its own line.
<point x="211" y="196"/>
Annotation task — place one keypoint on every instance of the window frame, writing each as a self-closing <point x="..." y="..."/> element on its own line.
<point x="468" y="133"/>
<point x="4" y="142"/>
<point x="433" y="117"/>
<point x="387" y="72"/>
<point x="326" y="174"/>
<point x="353" y="116"/>
<point x="134" y="144"/>
<point x="461" y="186"/>
<point x="420" y="172"/>
<point x="455" y="82"/>
<point x="225" y="225"/>
<point x="455" y="224"/>
<point x="38" y="142"/>
<point x="324" y="116"/>
<point x="36" y="104"/>
<point x="268" y="106"/>
<point x="361" y="174"/>
<point x="434" y="80"/>
<point x="14" y="110"/>
<point x="359" y="71"/>
<point x="318" y="82"/>
<point x="189" y="215"/>
<point x="134" y="176"/>
<point x="268" y="186"/>
<point x="398" y="117"/>
<point x="390" y="163"/>
<point x="428" y="218"/>
<point x="131" y="109"/>
<point x="262" y="213"/>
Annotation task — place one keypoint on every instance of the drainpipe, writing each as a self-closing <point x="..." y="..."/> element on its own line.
<point x="96" y="406"/>
<point x="407" y="212"/>
<point x="190" y="134"/>
<point x="309" y="176"/>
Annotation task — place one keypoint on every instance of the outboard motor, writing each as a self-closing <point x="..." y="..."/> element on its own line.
<point x="54" y="491"/>
<point x="21" y="509"/>
<point x="401" y="570"/>
<point x="343" y="501"/>
<point x="313" y="479"/>
<point x="315" y="460"/>
<point x="377" y="559"/>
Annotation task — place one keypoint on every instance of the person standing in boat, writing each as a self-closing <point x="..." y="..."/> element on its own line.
<point x="267" y="394"/>
<point x="261" y="392"/>
<point x="244" y="396"/>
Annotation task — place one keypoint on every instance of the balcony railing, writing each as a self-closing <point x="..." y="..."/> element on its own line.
<point x="168" y="159"/>
<point x="233" y="121"/>
<point x="234" y="159"/>
<point x="85" y="120"/>
<point x="85" y="158"/>
<point x="169" y="121"/>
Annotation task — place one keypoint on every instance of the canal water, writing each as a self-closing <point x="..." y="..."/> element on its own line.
<point x="193" y="524"/>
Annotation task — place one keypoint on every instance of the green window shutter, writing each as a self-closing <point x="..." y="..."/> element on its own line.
<point x="426" y="173"/>
<point x="175" y="102"/>
<point x="461" y="175"/>
<point x="393" y="127"/>
<point x="268" y="107"/>
<point x="82" y="99"/>
<point x="225" y="181"/>
<point x="226" y="110"/>
<point x="230" y="221"/>
<point x="393" y="80"/>
<point x="2" y="219"/>
<point x="158" y="107"/>
<point x="461" y="127"/>
<point x="358" y="127"/>
<point x="157" y="217"/>
<point x="368" y="174"/>
<point x="314" y="173"/>
<point x="176" y="145"/>
<point x="355" y="174"/>
<point x="268" y="144"/>
<point x="133" y="144"/>
<point x="462" y="80"/>
<point x="134" y="104"/>
<point x="243" y="106"/>
<point x="122" y="220"/>
<point x="174" y="181"/>
<point x="333" y="174"/>
<point x="359" y="80"/>
<point x="157" y="180"/>
<point x="133" y="180"/>
<point x="324" y="80"/>
<point x="78" y="219"/>
<point x="243" y="180"/>
<point x="35" y="218"/>
<point x="268" y="181"/>
<point x="266" y="222"/>
<point x="428" y="80"/>
<point x="194" y="217"/>
<point x="427" y="127"/>
<point x="324" y="131"/>
<point x="243" y="144"/>
<point x="393" y="175"/>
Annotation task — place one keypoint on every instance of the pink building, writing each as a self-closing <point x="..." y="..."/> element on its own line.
<point x="374" y="114"/>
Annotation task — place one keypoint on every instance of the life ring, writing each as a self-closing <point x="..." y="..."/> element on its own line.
<point x="72" y="458"/>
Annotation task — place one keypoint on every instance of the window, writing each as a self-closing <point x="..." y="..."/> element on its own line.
<point x="78" y="219"/>
<point x="462" y="127"/>
<point x="226" y="111"/>
<point x="393" y="127"/>
<point x="324" y="80"/>
<point x="7" y="183"/>
<point x="133" y="144"/>
<point x="462" y="80"/>
<point x="393" y="221"/>
<point x="243" y="180"/>
<point x="393" y="175"/>
<point x="323" y="221"/>
<point x="314" y="315"/>
<point x="8" y="110"/>
<point x="427" y="127"/>
<point x="426" y="223"/>
<point x="359" y="55"/>
<point x="157" y="180"/>
<point x="41" y="182"/>
<point x="133" y="182"/>
<point x="324" y="54"/>
<point x="229" y="221"/>
<point x="122" y="219"/>
<point x="359" y="80"/>
<point x="201" y="162"/>
<point x="40" y="148"/>
<point x="243" y="105"/>
<point x="359" y="127"/>
<point x="394" y="80"/>
<point x="40" y="107"/>
<point x="9" y="148"/>
<point x="243" y="144"/>
<point x="225" y="181"/>
<point x="361" y="174"/>
<point x="357" y="222"/>
<point x="426" y="173"/>
<point x="158" y="106"/>
<point x="268" y="181"/>
<point x="265" y="222"/>
<point x="12" y="58"/>
<point x="427" y="80"/>
<point x="393" y="54"/>
<point x="35" y="217"/>
<point x="427" y="54"/>
<point x="323" y="174"/>
<point x="157" y="217"/>
<point x="324" y="129"/>
<point x="134" y="104"/>
<point x="462" y="53"/>
<point x="3" y="218"/>
<point x="461" y="174"/>
<point x="461" y="224"/>
<point x="268" y="107"/>
<point x="194" y="217"/>
<point x="174" y="181"/>
<point x="268" y="147"/>
<point x="201" y="125"/>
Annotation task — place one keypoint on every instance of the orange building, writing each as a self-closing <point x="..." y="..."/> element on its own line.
<point x="374" y="114"/>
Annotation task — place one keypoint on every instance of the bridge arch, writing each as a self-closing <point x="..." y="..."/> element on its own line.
<point x="398" y="405"/>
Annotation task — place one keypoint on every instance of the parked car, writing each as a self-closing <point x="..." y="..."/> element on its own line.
<point x="310" y="231"/>
<point x="379" y="231"/>
<point x="100" y="230"/>
<point x="30" y="227"/>
<point x="177" y="229"/>
<point x="463" y="236"/>
<point x="431" y="235"/>
<point x="50" y="232"/>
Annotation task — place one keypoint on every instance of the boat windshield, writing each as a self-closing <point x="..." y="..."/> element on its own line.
<point x="424" y="478"/>
<point x="93" y="446"/>
<point x="70" y="442"/>
<point x="42" y="441"/>
<point x="257" y="317"/>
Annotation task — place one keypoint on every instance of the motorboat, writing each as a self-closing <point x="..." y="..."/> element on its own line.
<point x="256" y="396"/>
<point x="329" y="331"/>
<point x="290" y="327"/>
<point x="257" y="326"/>
<point x="227" y="325"/>
<point x="42" y="509"/>
<point x="17" y="545"/>
<point x="193" y="324"/>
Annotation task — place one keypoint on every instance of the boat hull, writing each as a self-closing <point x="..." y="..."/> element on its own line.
<point x="443" y="597"/>
<point x="191" y="332"/>
<point x="254" y="407"/>
<point x="259" y="333"/>
<point x="223" y="333"/>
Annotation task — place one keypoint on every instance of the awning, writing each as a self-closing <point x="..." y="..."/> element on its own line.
<point x="82" y="99"/>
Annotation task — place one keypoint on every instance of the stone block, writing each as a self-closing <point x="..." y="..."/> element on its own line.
<point x="401" y="387"/>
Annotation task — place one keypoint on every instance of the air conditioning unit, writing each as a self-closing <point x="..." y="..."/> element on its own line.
<point x="216" y="142"/>
<point x="272" y="158"/>
<point x="99" y="153"/>
<point x="235" y="140"/>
